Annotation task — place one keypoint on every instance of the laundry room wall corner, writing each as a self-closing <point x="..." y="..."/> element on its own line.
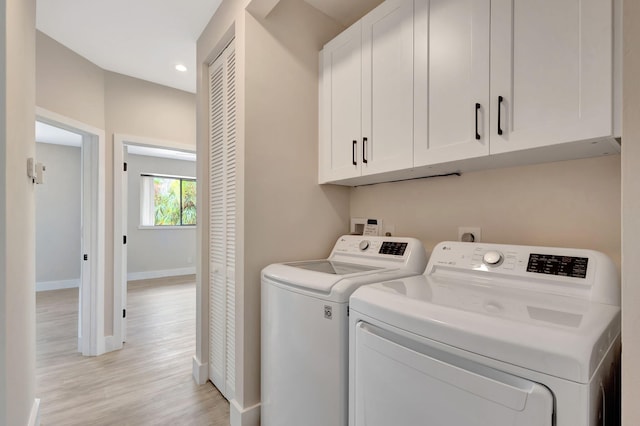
<point x="282" y="213"/>
<point x="631" y="217"/>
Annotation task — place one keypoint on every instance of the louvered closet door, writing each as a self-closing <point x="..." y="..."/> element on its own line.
<point x="222" y="226"/>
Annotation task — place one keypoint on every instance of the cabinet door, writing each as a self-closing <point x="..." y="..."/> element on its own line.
<point x="551" y="62"/>
<point x="340" y="117"/>
<point x="387" y="87"/>
<point x="452" y="80"/>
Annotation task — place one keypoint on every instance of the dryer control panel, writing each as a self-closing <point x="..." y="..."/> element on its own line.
<point x="577" y="272"/>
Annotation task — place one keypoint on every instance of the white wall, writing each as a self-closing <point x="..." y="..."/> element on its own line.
<point x="631" y="217"/>
<point x="58" y="217"/>
<point x="17" y="221"/>
<point x="157" y="252"/>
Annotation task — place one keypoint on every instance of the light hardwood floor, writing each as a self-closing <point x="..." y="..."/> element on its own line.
<point x="148" y="382"/>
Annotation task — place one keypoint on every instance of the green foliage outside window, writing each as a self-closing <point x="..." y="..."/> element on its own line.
<point x="188" y="202"/>
<point x="174" y="201"/>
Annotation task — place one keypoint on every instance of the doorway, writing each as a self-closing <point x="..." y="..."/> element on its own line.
<point x="129" y="226"/>
<point x="90" y="140"/>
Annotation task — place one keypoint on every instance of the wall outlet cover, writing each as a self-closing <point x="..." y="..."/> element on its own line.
<point x="364" y="225"/>
<point x="473" y="230"/>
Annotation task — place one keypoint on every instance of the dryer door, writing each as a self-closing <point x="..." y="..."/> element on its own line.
<point x="399" y="381"/>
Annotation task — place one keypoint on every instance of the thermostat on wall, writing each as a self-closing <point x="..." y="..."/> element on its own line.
<point x="365" y="226"/>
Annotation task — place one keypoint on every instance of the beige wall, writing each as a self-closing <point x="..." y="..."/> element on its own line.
<point x="566" y="204"/>
<point x="69" y="85"/>
<point x="140" y="108"/>
<point x="284" y="213"/>
<point x="146" y="110"/>
<point x="288" y="216"/>
<point x="631" y="217"/>
<point x="17" y="221"/>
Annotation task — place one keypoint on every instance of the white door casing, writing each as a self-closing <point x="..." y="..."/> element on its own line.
<point x="91" y="338"/>
<point x="120" y="179"/>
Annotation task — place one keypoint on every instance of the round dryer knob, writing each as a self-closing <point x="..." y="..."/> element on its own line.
<point x="364" y="244"/>
<point x="493" y="258"/>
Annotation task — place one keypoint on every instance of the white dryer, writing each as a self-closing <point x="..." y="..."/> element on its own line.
<point x="305" y="335"/>
<point x="489" y="335"/>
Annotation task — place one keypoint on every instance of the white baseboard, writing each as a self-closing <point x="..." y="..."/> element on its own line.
<point x="57" y="285"/>
<point x="111" y="344"/>
<point x="244" y="416"/>
<point x="200" y="371"/>
<point x="34" y="417"/>
<point x="147" y="275"/>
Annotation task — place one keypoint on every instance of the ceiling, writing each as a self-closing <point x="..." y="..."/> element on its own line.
<point x="45" y="133"/>
<point x="345" y="12"/>
<point x="144" y="39"/>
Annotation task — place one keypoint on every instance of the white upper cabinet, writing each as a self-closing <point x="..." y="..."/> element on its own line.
<point x="551" y="64"/>
<point x="366" y="92"/>
<point x="451" y="80"/>
<point x="427" y="87"/>
<point x="341" y="106"/>
<point x="387" y="87"/>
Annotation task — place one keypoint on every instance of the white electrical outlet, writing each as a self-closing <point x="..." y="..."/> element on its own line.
<point x="474" y="232"/>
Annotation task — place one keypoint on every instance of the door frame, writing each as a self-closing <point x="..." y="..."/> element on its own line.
<point x="120" y="210"/>
<point x="91" y="338"/>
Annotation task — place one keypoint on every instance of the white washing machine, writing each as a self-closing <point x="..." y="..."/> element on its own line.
<point x="305" y="335"/>
<point x="489" y="335"/>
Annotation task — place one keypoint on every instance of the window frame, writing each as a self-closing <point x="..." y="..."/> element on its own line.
<point x="147" y="204"/>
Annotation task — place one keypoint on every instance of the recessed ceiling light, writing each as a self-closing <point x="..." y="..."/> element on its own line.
<point x="181" y="68"/>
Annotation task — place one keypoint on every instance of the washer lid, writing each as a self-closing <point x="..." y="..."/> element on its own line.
<point x="332" y="267"/>
<point x="561" y="336"/>
<point x="324" y="278"/>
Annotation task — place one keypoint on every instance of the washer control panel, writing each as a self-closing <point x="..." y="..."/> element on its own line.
<point x="389" y="252"/>
<point x="369" y="245"/>
<point x="493" y="258"/>
<point x="394" y="248"/>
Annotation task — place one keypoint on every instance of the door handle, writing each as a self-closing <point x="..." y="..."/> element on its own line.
<point x="500" y="99"/>
<point x="477" y="109"/>
<point x="353" y="153"/>
<point x="364" y="150"/>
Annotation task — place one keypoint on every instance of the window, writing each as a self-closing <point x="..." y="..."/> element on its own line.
<point x="167" y="200"/>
